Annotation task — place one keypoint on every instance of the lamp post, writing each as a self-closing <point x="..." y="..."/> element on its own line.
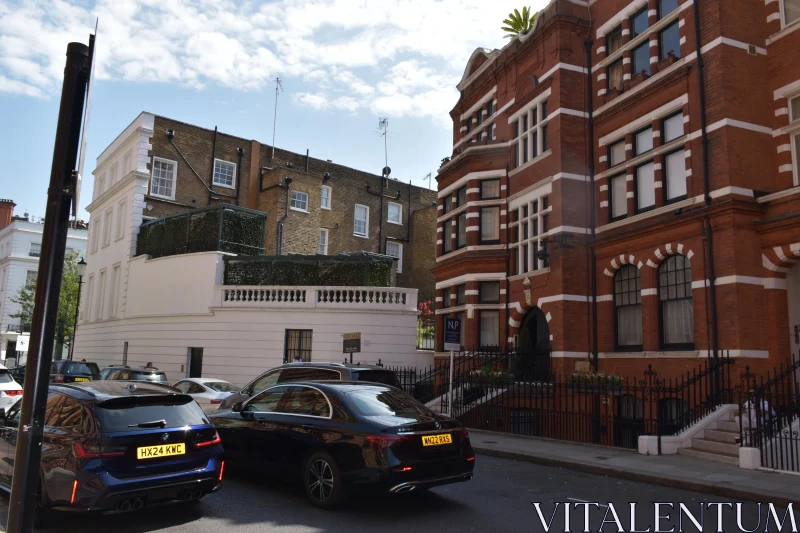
<point x="81" y="271"/>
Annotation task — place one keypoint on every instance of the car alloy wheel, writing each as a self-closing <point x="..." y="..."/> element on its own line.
<point x="320" y="480"/>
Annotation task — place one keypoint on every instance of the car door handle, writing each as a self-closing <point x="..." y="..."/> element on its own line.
<point x="306" y="427"/>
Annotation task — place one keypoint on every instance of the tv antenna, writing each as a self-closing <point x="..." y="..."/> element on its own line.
<point x="278" y="86"/>
<point x="429" y="177"/>
<point x="383" y="124"/>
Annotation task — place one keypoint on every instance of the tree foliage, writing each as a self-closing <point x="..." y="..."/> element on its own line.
<point x="518" y="23"/>
<point x="67" y="300"/>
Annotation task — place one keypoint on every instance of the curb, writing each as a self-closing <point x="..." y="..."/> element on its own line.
<point x="709" y="488"/>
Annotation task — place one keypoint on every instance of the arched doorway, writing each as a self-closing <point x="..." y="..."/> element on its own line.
<point x="532" y="362"/>
<point x="793" y="296"/>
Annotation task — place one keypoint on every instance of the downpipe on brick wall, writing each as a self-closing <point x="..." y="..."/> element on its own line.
<point x="279" y="237"/>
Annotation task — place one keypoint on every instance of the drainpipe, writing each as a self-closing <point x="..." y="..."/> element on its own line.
<point x="279" y="243"/>
<point x="711" y="291"/>
<point x="408" y="222"/>
<point x="380" y="225"/>
<point x="508" y="260"/>
<point x="239" y="151"/>
<point x="592" y="210"/>
<point x="211" y="174"/>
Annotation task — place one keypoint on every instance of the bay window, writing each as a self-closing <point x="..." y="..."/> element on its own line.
<point x="461" y="230"/>
<point x="490" y="328"/>
<point x="531" y="231"/>
<point x="533" y="133"/>
<point x="490" y="224"/>
<point x="616" y="153"/>
<point x="490" y="189"/>
<point x="791" y="11"/>
<point x="645" y="187"/>
<point x="447" y="240"/>
<point x="675" y="175"/>
<point x="618" y="196"/>
<point x="489" y="292"/>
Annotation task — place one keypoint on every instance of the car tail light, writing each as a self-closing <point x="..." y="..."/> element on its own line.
<point x="381" y="442"/>
<point x="212" y="442"/>
<point x="59" y="378"/>
<point x="216" y="402"/>
<point x="471" y="458"/>
<point x="12" y="393"/>
<point x="402" y="469"/>
<point x="462" y="432"/>
<point x="93" y="452"/>
<point x="74" y="490"/>
<point x="221" y="471"/>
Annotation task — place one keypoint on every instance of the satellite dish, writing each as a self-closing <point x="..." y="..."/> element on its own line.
<point x="387" y="171"/>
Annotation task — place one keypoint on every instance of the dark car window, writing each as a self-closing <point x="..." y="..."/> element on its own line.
<point x="387" y="377"/>
<point x="124" y="414"/>
<point x="221" y="386"/>
<point x="149" y="376"/>
<point x="305" y="401"/>
<point x="323" y="374"/>
<point x="194" y="388"/>
<point x="182" y="386"/>
<point x="297" y="374"/>
<point x="382" y="402"/>
<point x="264" y="382"/>
<point x="54" y="368"/>
<point x="12" y="417"/>
<point x="121" y="375"/>
<point x="267" y="401"/>
<point x="5" y="377"/>
<point x="82" y="369"/>
<point x="63" y="412"/>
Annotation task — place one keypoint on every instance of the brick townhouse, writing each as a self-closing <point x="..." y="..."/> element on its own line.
<point x="618" y="194"/>
<point x="313" y="206"/>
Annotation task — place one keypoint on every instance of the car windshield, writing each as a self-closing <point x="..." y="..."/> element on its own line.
<point x="5" y="377"/>
<point x="125" y="414"/>
<point x="221" y="386"/>
<point x="382" y="402"/>
<point x="387" y="377"/>
<point x="150" y="376"/>
<point x="82" y="369"/>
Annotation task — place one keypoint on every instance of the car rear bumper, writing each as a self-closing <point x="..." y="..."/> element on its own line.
<point x="420" y="476"/>
<point x="103" y="492"/>
<point x="408" y="486"/>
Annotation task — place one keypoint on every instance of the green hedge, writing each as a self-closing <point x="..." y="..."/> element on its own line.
<point x="224" y="229"/>
<point x="308" y="270"/>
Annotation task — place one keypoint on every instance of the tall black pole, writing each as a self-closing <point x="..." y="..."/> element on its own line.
<point x="26" y="484"/>
<point x="75" y="323"/>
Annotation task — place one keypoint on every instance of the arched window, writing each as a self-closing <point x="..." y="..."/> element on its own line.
<point x="628" y="306"/>
<point x="675" y="298"/>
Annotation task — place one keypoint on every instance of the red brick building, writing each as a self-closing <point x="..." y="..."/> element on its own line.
<point x="617" y="194"/>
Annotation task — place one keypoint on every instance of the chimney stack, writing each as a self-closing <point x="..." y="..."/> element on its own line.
<point x="6" y="212"/>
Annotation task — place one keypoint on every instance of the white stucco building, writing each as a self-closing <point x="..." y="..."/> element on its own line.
<point x="174" y="311"/>
<point x="20" y="246"/>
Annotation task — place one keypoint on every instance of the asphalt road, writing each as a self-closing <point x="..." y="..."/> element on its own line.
<point x="498" y="499"/>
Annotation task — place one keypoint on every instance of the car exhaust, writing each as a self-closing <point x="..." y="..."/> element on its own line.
<point x="197" y="494"/>
<point x="186" y="495"/>
<point x="137" y="504"/>
<point x="124" y="506"/>
<point x="402" y="488"/>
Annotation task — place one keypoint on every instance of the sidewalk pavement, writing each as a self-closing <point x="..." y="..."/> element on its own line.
<point x="678" y="471"/>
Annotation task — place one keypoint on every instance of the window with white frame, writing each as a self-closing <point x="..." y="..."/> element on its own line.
<point x="791" y="11"/>
<point x="35" y="250"/>
<point x="490" y="225"/>
<point x="108" y="220"/>
<point x="490" y="189"/>
<point x="618" y="196"/>
<point x="224" y="173"/>
<point x="323" y="242"/>
<point x="490" y="328"/>
<point x="30" y="278"/>
<point x="299" y="201"/>
<point x="489" y="292"/>
<point x="672" y="127"/>
<point x="643" y="141"/>
<point x="675" y="175"/>
<point x="162" y="181"/>
<point x="395" y="249"/>
<point x="645" y="187"/>
<point x="395" y="213"/>
<point x="616" y="153"/>
<point x="532" y="227"/>
<point x="325" y="197"/>
<point x="532" y="130"/>
<point x="794" y="109"/>
<point x="120" y="220"/>
<point x="361" y="221"/>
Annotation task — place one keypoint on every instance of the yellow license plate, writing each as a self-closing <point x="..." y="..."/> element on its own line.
<point x="162" y="450"/>
<point x="436" y="440"/>
<point x="81" y="379"/>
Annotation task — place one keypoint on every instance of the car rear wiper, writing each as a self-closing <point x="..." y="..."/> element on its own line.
<point x="155" y="423"/>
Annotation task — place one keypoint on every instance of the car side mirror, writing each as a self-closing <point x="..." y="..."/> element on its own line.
<point x="237" y="407"/>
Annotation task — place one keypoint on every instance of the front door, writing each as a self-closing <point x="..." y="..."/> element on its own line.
<point x="195" y="362"/>
<point x="532" y="362"/>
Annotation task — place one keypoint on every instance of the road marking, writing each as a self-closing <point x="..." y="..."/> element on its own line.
<point x="586" y="501"/>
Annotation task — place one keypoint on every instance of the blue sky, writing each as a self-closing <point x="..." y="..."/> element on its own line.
<point x="343" y="63"/>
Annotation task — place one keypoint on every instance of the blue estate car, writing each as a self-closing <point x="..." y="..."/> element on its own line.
<point x="118" y="446"/>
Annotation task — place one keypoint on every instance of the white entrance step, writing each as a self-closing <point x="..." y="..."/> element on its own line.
<point x="711" y="456"/>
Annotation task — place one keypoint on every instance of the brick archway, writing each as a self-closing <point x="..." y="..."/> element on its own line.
<point x="668" y="249"/>
<point x="780" y="259"/>
<point x="618" y="262"/>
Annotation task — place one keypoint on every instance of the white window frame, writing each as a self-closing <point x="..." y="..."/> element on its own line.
<point x="399" y="220"/>
<point x="222" y="162"/>
<point x="174" y="177"/>
<point x="120" y="220"/>
<point x="108" y="220"/>
<point x="31" y="252"/>
<point x="113" y="297"/>
<point x="620" y="142"/>
<point x="364" y="235"/>
<point x="323" y="197"/>
<point x="94" y="229"/>
<point x="100" y="184"/>
<point x="101" y="293"/>
<point x="534" y="112"/>
<point x="27" y="275"/>
<point x="323" y="231"/>
<point x="399" y="256"/>
<point x="782" y="4"/>
<point x="292" y="201"/>
<point x="532" y="241"/>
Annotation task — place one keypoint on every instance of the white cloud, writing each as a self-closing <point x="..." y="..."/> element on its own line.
<point x="398" y="59"/>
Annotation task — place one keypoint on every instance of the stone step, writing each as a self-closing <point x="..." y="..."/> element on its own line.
<point x="718" y="435"/>
<point x="715" y="447"/>
<point x="700" y="454"/>
<point x="728" y="425"/>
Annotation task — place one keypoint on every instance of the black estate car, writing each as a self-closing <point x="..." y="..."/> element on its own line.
<point x="118" y="446"/>
<point x="339" y="437"/>
<point x="66" y="371"/>
<point x="290" y="372"/>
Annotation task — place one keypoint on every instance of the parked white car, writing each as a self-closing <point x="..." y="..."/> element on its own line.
<point x="10" y="390"/>
<point x="208" y="392"/>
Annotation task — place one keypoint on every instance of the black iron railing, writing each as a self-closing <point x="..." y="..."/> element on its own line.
<point x="769" y="415"/>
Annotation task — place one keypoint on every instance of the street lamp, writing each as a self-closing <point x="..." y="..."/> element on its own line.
<point x="81" y="271"/>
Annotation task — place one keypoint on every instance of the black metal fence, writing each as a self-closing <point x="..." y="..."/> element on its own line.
<point x="506" y="392"/>
<point x="224" y="228"/>
<point x="769" y="414"/>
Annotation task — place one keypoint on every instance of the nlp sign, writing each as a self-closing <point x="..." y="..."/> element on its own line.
<point x="452" y="334"/>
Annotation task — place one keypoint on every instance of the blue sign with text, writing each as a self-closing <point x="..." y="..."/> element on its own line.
<point x="452" y="334"/>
